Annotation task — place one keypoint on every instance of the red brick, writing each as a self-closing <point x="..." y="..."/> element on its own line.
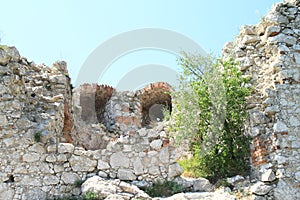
<point x="260" y="162"/>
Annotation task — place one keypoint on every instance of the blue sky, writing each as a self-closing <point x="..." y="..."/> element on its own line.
<point x="46" y="31"/>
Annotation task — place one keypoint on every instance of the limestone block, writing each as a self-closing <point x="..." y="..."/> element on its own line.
<point x="34" y="194"/>
<point x="236" y="179"/>
<point x="153" y="134"/>
<point x="142" y="132"/>
<point x="297" y="176"/>
<point x="247" y="39"/>
<point x="283" y="38"/>
<point x="82" y="163"/>
<point x="280" y="159"/>
<point x="102" y="174"/>
<point x="125" y="174"/>
<point x="260" y="188"/>
<point x="98" y="185"/>
<point x="258" y="118"/>
<point x="268" y="176"/>
<point x="51" y="158"/>
<point x="247" y="30"/>
<point x="62" y="158"/>
<point x="272" y="31"/>
<point x="119" y="159"/>
<point x="37" y="148"/>
<point x="102" y="165"/>
<point x="154" y="170"/>
<point x="174" y="170"/>
<point x="138" y="166"/>
<point x="164" y="155"/>
<point x="294" y="121"/>
<point x="69" y="177"/>
<point x="51" y="149"/>
<point x="3" y="119"/>
<point x="156" y="144"/>
<point x="280" y="126"/>
<point x="286" y="190"/>
<point x="6" y="192"/>
<point x="65" y="148"/>
<point x="50" y="180"/>
<point x="202" y="185"/>
<point x="58" y="168"/>
<point x="28" y="180"/>
<point x="31" y="157"/>
<point x="3" y="177"/>
<point x="8" y="54"/>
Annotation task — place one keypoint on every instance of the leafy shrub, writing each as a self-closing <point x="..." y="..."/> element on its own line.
<point x="78" y="183"/>
<point x="164" y="189"/>
<point x="37" y="136"/>
<point x="210" y="111"/>
<point x="90" y="196"/>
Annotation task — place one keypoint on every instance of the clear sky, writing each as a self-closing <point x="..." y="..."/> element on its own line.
<point x="51" y="30"/>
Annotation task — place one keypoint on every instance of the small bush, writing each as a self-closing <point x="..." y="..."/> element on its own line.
<point x="164" y="189"/>
<point x="78" y="183"/>
<point x="90" y="196"/>
<point x="210" y="112"/>
<point x="37" y="136"/>
<point x="47" y="86"/>
<point x="191" y="167"/>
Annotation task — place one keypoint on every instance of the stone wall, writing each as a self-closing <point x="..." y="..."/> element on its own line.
<point x="51" y="138"/>
<point x="270" y="54"/>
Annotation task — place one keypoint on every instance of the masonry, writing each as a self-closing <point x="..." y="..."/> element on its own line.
<point x="270" y="54"/>
<point x="52" y="136"/>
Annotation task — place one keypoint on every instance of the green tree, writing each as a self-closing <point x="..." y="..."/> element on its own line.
<point x="210" y="111"/>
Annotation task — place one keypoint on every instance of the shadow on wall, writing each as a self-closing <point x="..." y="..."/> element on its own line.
<point x="154" y="99"/>
<point x="93" y="100"/>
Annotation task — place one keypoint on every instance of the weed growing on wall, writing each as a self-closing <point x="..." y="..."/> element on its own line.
<point x="164" y="189"/>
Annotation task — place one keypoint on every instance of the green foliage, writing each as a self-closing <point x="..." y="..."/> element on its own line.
<point x="90" y="196"/>
<point x="210" y="112"/>
<point x="37" y="136"/>
<point x="164" y="189"/>
<point x="191" y="167"/>
<point x="78" y="183"/>
<point x="47" y="85"/>
<point x="224" y="183"/>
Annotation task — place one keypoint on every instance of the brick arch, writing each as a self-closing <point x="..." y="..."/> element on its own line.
<point x="154" y="94"/>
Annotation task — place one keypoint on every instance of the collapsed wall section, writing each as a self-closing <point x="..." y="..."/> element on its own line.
<point x="270" y="54"/>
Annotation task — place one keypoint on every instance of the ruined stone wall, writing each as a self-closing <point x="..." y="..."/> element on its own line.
<point x="270" y="54"/>
<point x="48" y="141"/>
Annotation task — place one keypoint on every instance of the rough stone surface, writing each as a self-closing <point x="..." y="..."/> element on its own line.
<point x="51" y="136"/>
<point x="269" y="54"/>
<point x="202" y="185"/>
<point x="268" y="176"/>
<point x="127" y="175"/>
<point x="112" y="189"/>
<point x="260" y="188"/>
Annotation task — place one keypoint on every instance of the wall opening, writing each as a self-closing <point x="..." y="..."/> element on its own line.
<point x="93" y="100"/>
<point x="154" y="99"/>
